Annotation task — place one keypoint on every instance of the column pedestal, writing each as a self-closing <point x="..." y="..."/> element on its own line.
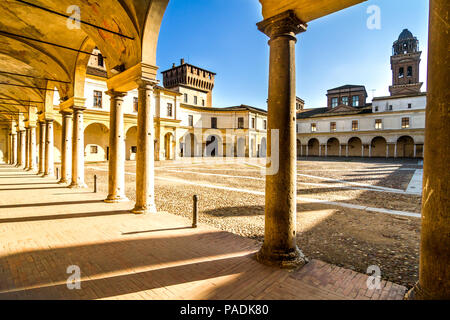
<point x="280" y="242"/>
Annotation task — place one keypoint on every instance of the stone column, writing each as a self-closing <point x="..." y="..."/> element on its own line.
<point x="21" y="148"/>
<point x="370" y="150"/>
<point x="66" y="147"/>
<point x="395" y="150"/>
<point x="116" y="172"/>
<point x="145" y="156"/>
<point x="320" y="150"/>
<point x="387" y="150"/>
<point x="340" y="150"/>
<point x="307" y="150"/>
<point x="362" y="150"/>
<point x="415" y="150"/>
<point x="326" y="150"/>
<point x="41" y="147"/>
<point x="9" y="144"/>
<point x="14" y="148"/>
<point x="280" y="243"/>
<point x="27" y="149"/>
<point x="33" y="164"/>
<point x="49" y="149"/>
<point x="78" y="150"/>
<point x="346" y="150"/>
<point x="434" y="270"/>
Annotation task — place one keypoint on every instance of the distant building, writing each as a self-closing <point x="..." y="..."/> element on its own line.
<point x="392" y="126"/>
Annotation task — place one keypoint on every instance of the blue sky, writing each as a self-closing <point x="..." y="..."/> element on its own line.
<point x="339" y="49"/>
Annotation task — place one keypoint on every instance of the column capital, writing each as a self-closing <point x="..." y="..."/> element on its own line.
<point x="65" y="113"/>
<point x="147" y="84"/>
<point x="285" y="23"/>
<point x="49" y="120"/>
<point x="116" y="94"/>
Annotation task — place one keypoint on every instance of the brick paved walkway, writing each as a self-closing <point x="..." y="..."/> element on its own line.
<point x="45" y="228"/>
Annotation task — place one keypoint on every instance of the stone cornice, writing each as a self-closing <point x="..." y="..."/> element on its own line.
<point x="129" y="79"/>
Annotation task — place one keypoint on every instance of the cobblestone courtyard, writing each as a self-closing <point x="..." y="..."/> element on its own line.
<point x="353" y="213"/>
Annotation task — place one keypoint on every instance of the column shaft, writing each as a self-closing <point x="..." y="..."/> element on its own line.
<point x="41" y="147"/>
<point x="33" y="164"/>
<point x="27" y="148"/>
<point x="434" y="270"/>
<point x="66" y="148"/>
<point x="116" y="171"/>
<point x="78" y="150"/>
<point x="14" y="149"/>
<point x="280" y="243"/>
<point x="22" y="149"/>
<point x="145" y="157"/>
<point x="49" y="149"/>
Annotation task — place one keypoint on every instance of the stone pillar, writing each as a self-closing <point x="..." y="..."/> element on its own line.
<point x="49" y="149"/>
<point x="33" y="164"/>
<point x="14" y="149"/>
<point x="434" y="270"/>
<point x="362" y="150"/>
<point x="78" y="150"/>
<point x="41" y="147"/>
<point x="370" y="150"/>
<point x="116" y="172"/>
<point x="320" y="150"/>
<point x="280" y="243"/>
<point x="340" y="150"/>
<point x="395" y="150"/>
<point x="415" y="150"/>
<point x="346" y="150"/>
<point x="27" y="149"/>
<point x="21" y="163"/>
<point x="66" y="147"/>
<point x="145" y="156"/>
<point x="9" y="144"/>
<point x="387" y="150"/>
<point x="307" y="150"/>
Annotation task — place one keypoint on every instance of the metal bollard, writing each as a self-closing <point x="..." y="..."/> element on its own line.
<point x="95" y="183"/>
<point x="195" y="213"/>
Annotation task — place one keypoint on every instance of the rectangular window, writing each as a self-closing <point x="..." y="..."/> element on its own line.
<point x="240" y="123"/>
<point x="191" y="120"/>
<point x="265" y="124"/>
<point x="98" y="99"/>
<point x="390" y="107"/>
<point x="378" y="124"/>
<point x="355" y="125"/>
<point x="376" y="109"/>
<point x="345" y="100"/>
<point x="135" y="104"/>
<point x="203" y="102"/>
<point x="409" y="105"/>
<point x="313" y="127"/>
<point x="355" y="101"/>
<point x="405" y="123"/>
<point x="409" y="72"/>
<point x="185" y="98"/>
<point x="100" y="62"/>
<point x="134" y="149"/>
<point x="195" y="99"/>
<point x="334" y="102"/>
<point x="214" y="123"/>
<point x="169" y="110"/>
<point x="253" y="123"/>
<point x="94" y="149"/>
<point x="401" y="72"/>
<point x="332" y="126"/>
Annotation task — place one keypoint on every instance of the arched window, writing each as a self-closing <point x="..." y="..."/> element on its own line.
<point x="410" y="71"/>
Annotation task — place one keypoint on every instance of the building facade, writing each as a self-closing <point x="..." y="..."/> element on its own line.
<point x="392" y="126"/>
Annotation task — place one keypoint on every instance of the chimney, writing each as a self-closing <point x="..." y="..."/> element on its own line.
<point x="182" y="61"/>
<point x="173" y="66"/>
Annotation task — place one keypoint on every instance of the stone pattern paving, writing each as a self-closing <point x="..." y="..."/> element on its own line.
<point x="45" y="228"/>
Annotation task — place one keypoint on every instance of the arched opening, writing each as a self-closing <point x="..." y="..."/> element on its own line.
<point x="241" y="147"/>
<point x="96" y="142"/>
<point x="313" y="147"/>
<point x="213" y="144"/>
<point x="354" y="147"/>
<point x="378" y="146"/>
<point x="131" y="143"/>
<point x="405" y="147"/>
<point x="188" y="146"/>
<point x="263" y="148"/>
<point x="333" y="147"/>
<point x="168" y="146"/>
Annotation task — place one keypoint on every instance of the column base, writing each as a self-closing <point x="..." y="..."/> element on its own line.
<point x="48" y="175"/>
<point x="63" y="181"/>
<point x="285" y="259"/>
<point x="78" y="185"/>
<point x="149" y="209"/>
<point x="116" y="199"/>
<point x="418" y="293"/>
